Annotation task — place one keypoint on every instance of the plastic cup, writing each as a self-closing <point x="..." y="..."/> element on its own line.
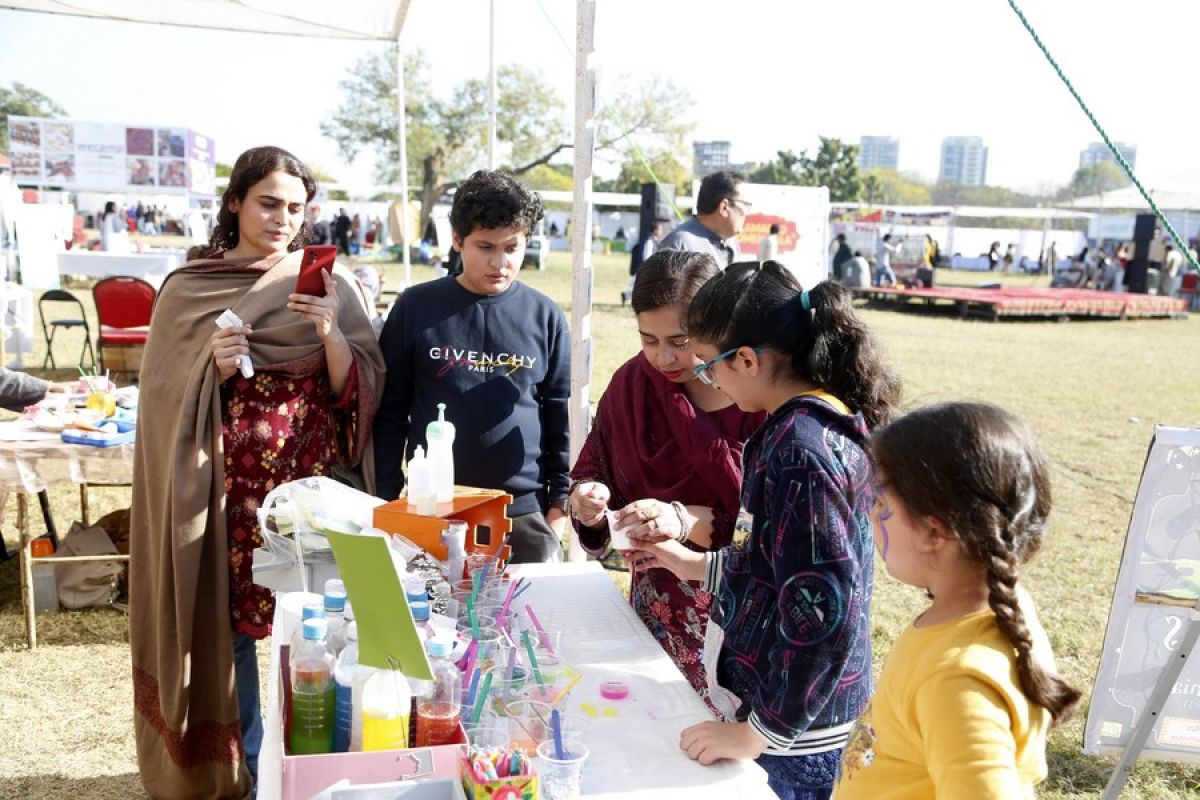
<point x="561" y="778"/>
<point x="487" y="651"/>
<point x="487" y="733"/>
<point x="537" y="722"/>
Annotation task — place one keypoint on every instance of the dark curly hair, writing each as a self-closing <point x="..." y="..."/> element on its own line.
<point x="759" y="305"/>
<point x="494" y="200"/>
<point x="251" y="167"/>
<point x="979" y="470"/>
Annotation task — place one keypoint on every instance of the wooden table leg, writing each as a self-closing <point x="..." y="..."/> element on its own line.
<point x="26" y="570"/>
<point x="83" y="504"/>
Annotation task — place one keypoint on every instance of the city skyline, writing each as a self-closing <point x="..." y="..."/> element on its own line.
<point x="770" y="97"/>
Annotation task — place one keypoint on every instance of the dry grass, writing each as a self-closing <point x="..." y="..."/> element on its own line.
<point x="1092" y="391"/>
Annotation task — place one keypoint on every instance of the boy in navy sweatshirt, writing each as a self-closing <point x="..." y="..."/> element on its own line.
<point x="498" y="354"/>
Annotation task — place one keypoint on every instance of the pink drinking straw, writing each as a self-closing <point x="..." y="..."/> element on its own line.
<point x="538" y="627"/>
<point x="512" y="588"/>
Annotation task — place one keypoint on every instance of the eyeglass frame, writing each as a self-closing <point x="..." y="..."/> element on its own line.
<point x="704" y="371"/>
<point x="741" y="204"/>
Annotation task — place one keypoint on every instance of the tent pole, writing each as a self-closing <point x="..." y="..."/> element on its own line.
<point x="402" y="136"/>
<point x="581" y="237"/>
<point x="492" y="84"/>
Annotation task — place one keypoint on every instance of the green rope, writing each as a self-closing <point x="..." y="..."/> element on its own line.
<point x="625" y="134"/>
<point x="1183" y="248"/>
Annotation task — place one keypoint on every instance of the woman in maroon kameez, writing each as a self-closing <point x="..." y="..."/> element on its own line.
<point x="211" y="443"/>
<point x="664" y="453"/>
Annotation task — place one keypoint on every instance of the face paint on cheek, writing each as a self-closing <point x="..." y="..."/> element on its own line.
<point x="884" y="516"/>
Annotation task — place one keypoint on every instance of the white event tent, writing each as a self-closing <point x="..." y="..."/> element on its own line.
<point x="383" y="20"/>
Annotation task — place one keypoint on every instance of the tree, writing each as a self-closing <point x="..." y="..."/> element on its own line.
<point x="447" y="139"/>
<point x="667" y="167"/>
<point x="24" y="101"/>
<point x="785" y="169"/>
<point x="1103" y="176"/>
<point x="835" y="165"/>
<point x="883" y="186"/>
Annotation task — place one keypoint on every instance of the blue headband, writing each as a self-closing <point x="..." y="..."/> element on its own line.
<point x="805" y="301"/>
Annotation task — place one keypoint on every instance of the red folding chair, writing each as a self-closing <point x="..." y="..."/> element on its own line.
<point x="123" y="306"/>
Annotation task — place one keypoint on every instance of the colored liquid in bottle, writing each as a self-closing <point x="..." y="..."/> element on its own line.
<point x="384" y="733"/>
<point x="312" y="713"/>
<point x="437" y="724"/>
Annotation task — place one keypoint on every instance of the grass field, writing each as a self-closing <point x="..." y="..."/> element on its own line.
<point x="1092" y="391"/>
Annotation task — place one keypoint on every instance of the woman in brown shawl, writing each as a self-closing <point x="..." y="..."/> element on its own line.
<point x="210" y="444"/>
<point x="665" y="455"/>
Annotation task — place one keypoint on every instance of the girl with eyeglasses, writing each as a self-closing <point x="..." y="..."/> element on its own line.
<point x="788" y="650"/>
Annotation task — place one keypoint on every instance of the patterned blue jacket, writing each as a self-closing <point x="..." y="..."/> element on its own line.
<point x="794" y="588"/>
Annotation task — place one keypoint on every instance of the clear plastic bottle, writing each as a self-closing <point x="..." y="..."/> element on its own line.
<point x="439" y="707"/>
<point x="335" y="604"/>
<point x="386" y="710"/>
<point x="455" y="539"/>
<point x="311" y="727"/>
<point x="421" y="492"/>
<point x="347" y="708"/>
<point x="439" y="435"/>
<point x="314" y="610"/>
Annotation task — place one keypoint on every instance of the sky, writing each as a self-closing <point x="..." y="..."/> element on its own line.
<point x="764" y="74"/>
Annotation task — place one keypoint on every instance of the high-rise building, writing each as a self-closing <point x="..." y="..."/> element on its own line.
<point x="964" y="161"/>
<point x="709" y="157"/>
<point x="1098" y="151"/>
<point x="878" y="151"/>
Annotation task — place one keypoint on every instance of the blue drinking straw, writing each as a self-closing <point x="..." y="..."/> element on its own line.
<point x="556" y="729"/>
<point x="481" y="701"/>
<point x="473" y="687"/>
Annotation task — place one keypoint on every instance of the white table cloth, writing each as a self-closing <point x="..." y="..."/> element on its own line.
<point x="634" y="753"/>
<point x="150" y="267"/>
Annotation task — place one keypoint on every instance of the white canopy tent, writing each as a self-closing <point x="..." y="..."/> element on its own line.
<point x="367" y="20"/>
<point x="1179" y="193"/>
<point x="383" y="20"/>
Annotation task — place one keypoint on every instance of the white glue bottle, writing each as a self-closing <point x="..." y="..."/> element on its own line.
<point x="439" y="435"/>
<point x="421" y="491"/>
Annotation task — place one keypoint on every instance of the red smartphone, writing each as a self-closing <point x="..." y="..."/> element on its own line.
<point x="317" y="257"/>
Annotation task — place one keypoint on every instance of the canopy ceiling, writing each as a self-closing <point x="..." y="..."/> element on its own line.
<point x="361" y="19"/>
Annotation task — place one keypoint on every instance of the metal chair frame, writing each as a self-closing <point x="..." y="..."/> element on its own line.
<point x="51" y="327"/>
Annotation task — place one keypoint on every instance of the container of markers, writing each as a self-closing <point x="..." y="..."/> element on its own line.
<point x="499" y="773"/>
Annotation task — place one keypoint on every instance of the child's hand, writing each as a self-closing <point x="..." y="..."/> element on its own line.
<point x="709" y="742"/>
<point x="588" y="503"/>
<point x="668" y="554"/>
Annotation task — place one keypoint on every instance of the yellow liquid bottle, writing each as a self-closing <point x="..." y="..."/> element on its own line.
<point x="386" y="709"/>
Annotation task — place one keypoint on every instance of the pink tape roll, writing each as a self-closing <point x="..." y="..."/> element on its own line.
<point x="614" y="690"/>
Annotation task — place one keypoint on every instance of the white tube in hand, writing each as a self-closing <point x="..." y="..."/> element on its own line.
<point x="228" y="319"/>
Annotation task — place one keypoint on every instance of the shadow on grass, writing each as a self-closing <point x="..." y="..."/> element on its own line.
<point x="89" y="626"/>
<point x="55" y="787"/>
<point x="1072" y="772"/>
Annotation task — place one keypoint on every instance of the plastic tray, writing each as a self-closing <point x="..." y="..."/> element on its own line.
<point x="126" y="432"/>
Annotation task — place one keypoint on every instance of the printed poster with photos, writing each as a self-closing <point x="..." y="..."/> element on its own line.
<point x="103" y="157"/>
<point x="1158" y="586"/>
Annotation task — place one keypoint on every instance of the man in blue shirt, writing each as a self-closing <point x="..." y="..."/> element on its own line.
<point x="720" y="216"/>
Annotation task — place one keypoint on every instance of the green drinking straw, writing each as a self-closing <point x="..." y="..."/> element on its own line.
<point x="537" y="673"/>
<point x="481" y="700"/>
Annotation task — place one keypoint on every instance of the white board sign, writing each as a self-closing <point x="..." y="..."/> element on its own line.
<point x="802" y="213"/>
<point x="104" y="157"/>
<point x="1160" y="566"/>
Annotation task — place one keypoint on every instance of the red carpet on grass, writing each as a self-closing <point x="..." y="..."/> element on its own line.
<point x="1031" y="302"/>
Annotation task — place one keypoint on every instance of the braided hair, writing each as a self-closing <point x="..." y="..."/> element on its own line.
<point x="979" y="470"/>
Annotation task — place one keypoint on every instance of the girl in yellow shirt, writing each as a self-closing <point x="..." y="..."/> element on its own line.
<point x="969" y="690"/>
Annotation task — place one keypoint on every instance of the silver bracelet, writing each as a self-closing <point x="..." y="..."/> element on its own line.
<point x="685" y="521"/>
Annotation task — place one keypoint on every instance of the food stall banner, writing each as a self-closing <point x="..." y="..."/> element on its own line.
<point x="77" y="155"/>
